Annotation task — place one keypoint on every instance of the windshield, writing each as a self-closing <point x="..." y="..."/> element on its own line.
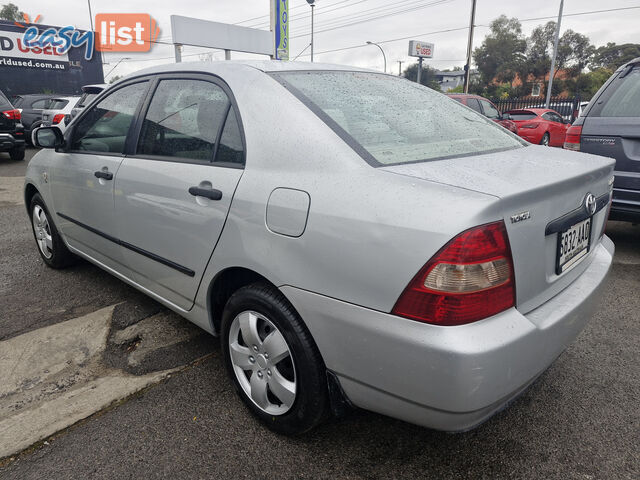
<point x="391" y="120"/>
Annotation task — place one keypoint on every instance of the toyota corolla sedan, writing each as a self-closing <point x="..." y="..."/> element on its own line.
<point x="354" y="238"/>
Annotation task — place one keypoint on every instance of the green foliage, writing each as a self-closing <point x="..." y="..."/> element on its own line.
<point x="585" y="85"/>
<point x="427" y="78"/>
<point x="458" y="89"/>
<point x="115" y="78"/>
<point x="11" y="13"/>
<point x="501" y="51"/>
<point x="612" y="56"/>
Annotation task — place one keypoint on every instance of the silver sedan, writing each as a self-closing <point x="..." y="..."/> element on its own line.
<point x="354" y="238"/>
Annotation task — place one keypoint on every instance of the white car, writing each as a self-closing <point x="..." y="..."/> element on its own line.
<point x="89" y="93"/>
<point x="59" y="112"/>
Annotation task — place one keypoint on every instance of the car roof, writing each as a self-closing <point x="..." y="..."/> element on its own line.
<point x="229" y="66"/>
<point x="465" y="95"/>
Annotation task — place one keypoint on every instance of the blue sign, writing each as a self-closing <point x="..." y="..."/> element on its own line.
<point x="282" y="29"/>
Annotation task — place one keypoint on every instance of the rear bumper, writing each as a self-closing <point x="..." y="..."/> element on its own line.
<point x="447" y="378"/>
<point x="9" y="142"/>
<point x="625" y="205"/>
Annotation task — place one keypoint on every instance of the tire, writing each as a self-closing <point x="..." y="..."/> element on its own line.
<point x="50" y="245"/>
<point x="17" y="153"/>
<point x="258" y="380"/>
<point x="545" y="139"/>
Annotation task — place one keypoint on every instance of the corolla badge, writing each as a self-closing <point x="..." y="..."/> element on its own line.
<point x="590" y="203"/>
<point x="519" y="217"/>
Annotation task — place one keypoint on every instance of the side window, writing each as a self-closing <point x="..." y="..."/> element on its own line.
<point x="105" y="127"/>
<point x="557" y="118"/>
<point x="489" y="110"/>
<point x="548" y="116"/>
<point x="474" y="104"/>
<point x="230" y="149"/>
<point x="39" y="104"/>
<point x="183" y="120"/>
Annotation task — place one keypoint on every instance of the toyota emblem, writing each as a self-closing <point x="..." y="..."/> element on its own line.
<point x="590" y="203"/>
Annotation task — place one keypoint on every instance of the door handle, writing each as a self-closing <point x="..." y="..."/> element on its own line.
<point x="105" y="175"/>
<point x="211" y="193"/>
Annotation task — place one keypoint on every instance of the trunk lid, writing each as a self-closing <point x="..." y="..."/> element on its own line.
<point x="547" y="183"/>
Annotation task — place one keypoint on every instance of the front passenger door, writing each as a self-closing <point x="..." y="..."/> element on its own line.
<point x="83" y="176"/>
<point x="176" y="190"/>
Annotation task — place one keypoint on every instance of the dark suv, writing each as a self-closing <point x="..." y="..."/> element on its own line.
<point x="31" y="107"/>
<point x="610" y="126"/>
<point x="11" y="130"/>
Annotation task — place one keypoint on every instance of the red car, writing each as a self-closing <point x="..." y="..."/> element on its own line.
<point x="540" y="125"/>
<point x="485" y="107"/>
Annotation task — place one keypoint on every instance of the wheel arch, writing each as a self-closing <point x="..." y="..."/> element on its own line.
<point x="29" y="191"/>
<point x="224" y="284"/>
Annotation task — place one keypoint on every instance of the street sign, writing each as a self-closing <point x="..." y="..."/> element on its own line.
<point x="420" y="49"/>
<point x="281" y="29"/>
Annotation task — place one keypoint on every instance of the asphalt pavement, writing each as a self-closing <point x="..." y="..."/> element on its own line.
<point x="580" y="420"/>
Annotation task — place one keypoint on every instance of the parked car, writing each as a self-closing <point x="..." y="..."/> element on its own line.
<point x="540" y="126"/>
<point x="485" y="107"/>
<point x="89" y="93"/>
<point x="567" y="110"/>
<point x="59" y="111"/>
<point x="610" y="127"/>
<point x="11" y="130"/>
<point x="352" y="237"/>
<point x="31" y="107"/>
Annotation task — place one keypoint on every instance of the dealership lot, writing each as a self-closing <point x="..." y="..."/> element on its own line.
<point x="580" y="420"/>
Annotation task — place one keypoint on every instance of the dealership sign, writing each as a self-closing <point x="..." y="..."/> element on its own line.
<point x="420" y="49"/>
<point x="14" y="53"/>
<point x="281" y="30"/>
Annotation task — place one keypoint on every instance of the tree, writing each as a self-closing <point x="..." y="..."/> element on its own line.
<point x="115" y="78"/>
<point x="11" y="13"/>
<point x="427" y="78"/>
<point x="502" y="51"/>
<point x="612" y="56"/>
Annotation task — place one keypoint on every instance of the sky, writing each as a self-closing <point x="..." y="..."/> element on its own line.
<point x="371" y="20"/>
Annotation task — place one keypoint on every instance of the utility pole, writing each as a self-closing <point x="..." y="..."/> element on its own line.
<point x="313" y="4"/>
<point x="467" y="67"/>
<point x="419" y="70"/>
<point x="555" y="53"/>
<point x="400" y="62"/>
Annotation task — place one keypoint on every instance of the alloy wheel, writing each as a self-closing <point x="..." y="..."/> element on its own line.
<point x="262" y="362"/>
<point x="42" y="231"/>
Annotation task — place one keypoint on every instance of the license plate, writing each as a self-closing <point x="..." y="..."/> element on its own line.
<point x="573" y="244"/>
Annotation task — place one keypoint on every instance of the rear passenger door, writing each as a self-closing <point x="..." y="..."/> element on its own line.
<point x="174" y="190"/>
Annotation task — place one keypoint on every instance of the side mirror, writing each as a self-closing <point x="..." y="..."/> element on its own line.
<point x="47" y="137"/>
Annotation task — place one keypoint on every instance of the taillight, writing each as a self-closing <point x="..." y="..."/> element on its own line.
<point x="530" y="125"/>
<point x="572" y="138"/>
<point x="57" y="118"/>
<point x="12" y="114"/>
<point x="469" y="279"/>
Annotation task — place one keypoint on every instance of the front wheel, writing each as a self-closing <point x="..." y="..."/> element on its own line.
<point x="545" y="140"/>
<point x="274" y="363"/>
<point x="50" y="245"/>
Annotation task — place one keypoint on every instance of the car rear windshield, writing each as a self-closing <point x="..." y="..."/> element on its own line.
<point x="86" y="99"/>
<point x="4" y="102"/>
<point x="622" y="98"/>
<point x="58" y="104"/>
<point x="521" y="115"/>
<point x="391" y="120"/>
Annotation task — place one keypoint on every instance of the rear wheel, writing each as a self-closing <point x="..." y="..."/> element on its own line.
<point x="50" y="245"/>
<point x="17" y="153"/>
<point x="273" y="361"/>
<point x="545" y="140"/>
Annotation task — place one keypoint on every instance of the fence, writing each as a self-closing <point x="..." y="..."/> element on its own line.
<point x="567" y="107"/>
